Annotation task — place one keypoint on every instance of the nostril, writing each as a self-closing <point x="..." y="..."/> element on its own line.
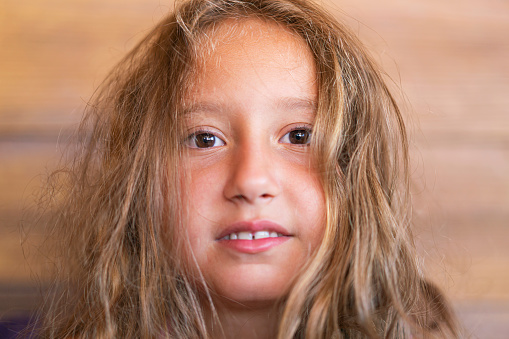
<point x="265" y="195"/>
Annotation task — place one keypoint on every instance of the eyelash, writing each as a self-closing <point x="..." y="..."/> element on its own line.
<point x="191" y="140"/>
<point x="299" y="128"/>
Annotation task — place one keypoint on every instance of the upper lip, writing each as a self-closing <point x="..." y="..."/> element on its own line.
<point x="253" y="226"/>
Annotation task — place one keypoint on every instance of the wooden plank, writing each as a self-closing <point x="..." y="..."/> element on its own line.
<point x="449" y="57"/>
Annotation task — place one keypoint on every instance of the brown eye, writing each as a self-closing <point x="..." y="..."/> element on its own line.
<point x="300" y="136"/>
<point x="204" y="140"/>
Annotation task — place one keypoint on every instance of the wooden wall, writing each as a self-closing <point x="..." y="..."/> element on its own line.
<point x="451" y="59"/>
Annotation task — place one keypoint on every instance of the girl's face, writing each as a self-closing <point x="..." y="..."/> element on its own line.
<point x="256" y="205"/>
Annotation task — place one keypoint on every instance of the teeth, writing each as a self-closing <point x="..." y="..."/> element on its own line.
<point x="262" y="235"/>
<point x="252" y="236"/>
<point x="245" y="236"/>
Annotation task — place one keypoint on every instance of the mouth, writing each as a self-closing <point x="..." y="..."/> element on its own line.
<point x="253" y="230"/>
<point x="253" y="236"/>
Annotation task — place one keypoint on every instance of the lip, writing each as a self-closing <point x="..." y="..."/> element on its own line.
<point x="256" y="245"/>
<point x="254" y="226"/>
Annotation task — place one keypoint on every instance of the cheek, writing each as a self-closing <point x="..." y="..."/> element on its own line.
<point x="191" y="199"/>
<point x="205" y="180"/>
<point x="309" y="206"/>
<point x="317" y="219"/>
<point x="204" y="192"/>
<point x="202" y="198"/>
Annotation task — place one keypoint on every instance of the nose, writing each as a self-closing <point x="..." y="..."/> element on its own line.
<point x="253" y="176"/>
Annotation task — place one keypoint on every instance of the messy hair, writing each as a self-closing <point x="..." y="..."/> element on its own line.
<point x="119" y="209"/>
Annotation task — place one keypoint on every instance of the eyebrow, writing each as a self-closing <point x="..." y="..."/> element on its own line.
<point x="301" y="104"/>
<point x="200" y="107"/>
<point x="284" y="104"/>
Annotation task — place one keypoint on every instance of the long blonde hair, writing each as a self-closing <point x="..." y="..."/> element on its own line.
<point x="119" y="205"/>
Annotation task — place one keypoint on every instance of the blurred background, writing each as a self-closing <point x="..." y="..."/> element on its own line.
<point x="449" y="58"/>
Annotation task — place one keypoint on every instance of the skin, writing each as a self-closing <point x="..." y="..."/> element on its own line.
<point x="257" y="83"/>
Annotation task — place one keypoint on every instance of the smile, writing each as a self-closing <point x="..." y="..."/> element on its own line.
<point x="253" y="230"/>
<point x="251" y="235"/>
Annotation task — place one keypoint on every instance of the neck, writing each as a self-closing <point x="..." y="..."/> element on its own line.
<point x="247" y="322"/>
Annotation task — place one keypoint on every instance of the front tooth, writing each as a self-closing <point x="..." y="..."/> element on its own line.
<point x="245" y="236"/>
<point x="233" y="236"/>
<point x="261" y="235"/>
<point x="273" y="234"/>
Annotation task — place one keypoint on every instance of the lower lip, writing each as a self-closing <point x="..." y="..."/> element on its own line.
<point x="253" y="246"/>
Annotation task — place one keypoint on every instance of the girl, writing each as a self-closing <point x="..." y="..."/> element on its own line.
<point x="244" y="176"/>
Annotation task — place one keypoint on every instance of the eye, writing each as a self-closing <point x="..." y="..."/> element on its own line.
<point x="298" y="136"/>
<point x="204" y="140"/>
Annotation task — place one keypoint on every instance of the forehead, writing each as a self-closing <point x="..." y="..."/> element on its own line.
<point x="249" y="30"/>
<point x="249" y="38"/>
<point x="234" y="45"/>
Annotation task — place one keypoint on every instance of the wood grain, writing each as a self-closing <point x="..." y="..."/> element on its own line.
<point x="449" y="58"/>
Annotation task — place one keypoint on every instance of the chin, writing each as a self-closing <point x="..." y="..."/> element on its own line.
<point x="253" y="289"/>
